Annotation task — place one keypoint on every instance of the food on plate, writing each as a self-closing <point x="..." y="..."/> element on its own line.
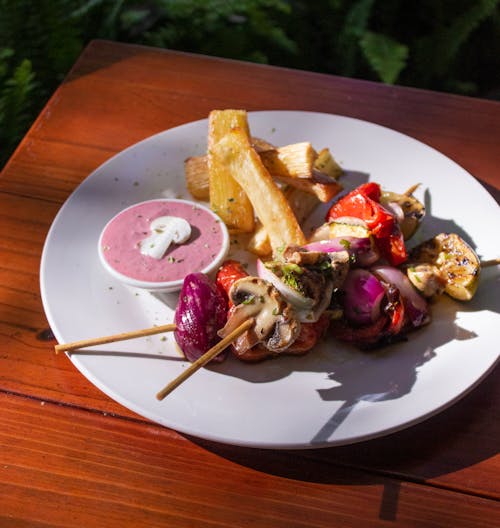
<point x="247" y="180"/>
<point x="200" y="313"/>
<point x="364" y="203"/>
<point x="353" y="278"/>
<point x="298" y="165"/>
<point x="235" y="152"/>
<point x="155" y="244"/>
<point x="227" y="198"/>
<point x="445" y="263"/>
<point x="407" y="209"/>
<point x="277" y="330"/>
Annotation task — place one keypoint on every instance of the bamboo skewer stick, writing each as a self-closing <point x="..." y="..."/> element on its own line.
<point x="113" y="338"/>
<point x="491" y="262"/>
<point x="203" y="360"/>
<point x="412" y="189"/>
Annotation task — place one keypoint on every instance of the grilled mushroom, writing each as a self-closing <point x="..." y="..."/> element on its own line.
<point x="275" y="324"/>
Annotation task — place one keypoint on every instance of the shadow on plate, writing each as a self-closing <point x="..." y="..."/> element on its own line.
<point x="443" y="444"/>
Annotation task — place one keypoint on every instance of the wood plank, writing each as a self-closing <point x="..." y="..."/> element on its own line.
<point x="80" y="469"/>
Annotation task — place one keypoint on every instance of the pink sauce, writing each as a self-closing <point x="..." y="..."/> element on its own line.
<point x="120" y="241"/>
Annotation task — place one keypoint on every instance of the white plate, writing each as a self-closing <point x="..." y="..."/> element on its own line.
<point x="334" y="395"/>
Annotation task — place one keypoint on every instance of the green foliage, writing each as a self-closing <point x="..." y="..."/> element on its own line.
<point x="17" y="84"/>
<point x="449" y="45"/>
<point x="386" y="56"/>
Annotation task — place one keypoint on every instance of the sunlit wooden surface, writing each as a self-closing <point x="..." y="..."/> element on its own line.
<point x="70" y="456"/>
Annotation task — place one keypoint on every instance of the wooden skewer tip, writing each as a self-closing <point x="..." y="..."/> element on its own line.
<point x="84" y="343"/>
<point x="204" y="359"/>
<point x="491" y="262"/>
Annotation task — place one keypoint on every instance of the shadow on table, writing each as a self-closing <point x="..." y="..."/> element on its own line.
<point x="441" y="445"/>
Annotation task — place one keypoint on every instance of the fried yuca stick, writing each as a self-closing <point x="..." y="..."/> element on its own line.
<point x="196" y="173"/>
<point x="227" y="198"/>
<point x="235" y="152"/>
<point x="292" y="161"/>
<point x="297" y="165"/>
<point x="326" y="163"/>
<point x="302" y="204"/>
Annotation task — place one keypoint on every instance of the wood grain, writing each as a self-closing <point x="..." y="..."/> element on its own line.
<point x="75" y="465"/>
<point x="70" y="456"/>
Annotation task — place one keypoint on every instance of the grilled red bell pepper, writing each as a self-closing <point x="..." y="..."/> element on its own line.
<point x="364" y="203"/>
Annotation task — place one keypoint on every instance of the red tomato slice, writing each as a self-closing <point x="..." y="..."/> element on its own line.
<point x="228" y="274"/>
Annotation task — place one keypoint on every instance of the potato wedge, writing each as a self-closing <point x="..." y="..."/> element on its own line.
<point x="259" y="243"/>
<point x="235" y="152"/>
<point x="326" y="163"/>
<point x="196" y="174"/>
<point x="302" y="205"/>
<point x="319" y="184"/>
<point x="227" y="198"/>
<point x="294" y="165"/>
<point x="291" y="161"/>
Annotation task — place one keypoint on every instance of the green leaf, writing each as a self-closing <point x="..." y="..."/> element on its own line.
<point x="385" y="55"/>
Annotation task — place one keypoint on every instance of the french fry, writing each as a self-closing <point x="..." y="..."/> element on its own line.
<point x="261" y="145"/>
<point x="319" y="184"/>
<point x="235" y="152"/>
<point x="302" y="205"/>
<point x="196" y="173"/>
<point x="259" y="243"/>
<point x="326" y="163"/>
<point x="227" y="198"/>
<point x="291" y="161"/>
<point x="295" y="165"/>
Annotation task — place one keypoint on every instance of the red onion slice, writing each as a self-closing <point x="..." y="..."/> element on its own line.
<point x="416" y="306"/>
<point x="306" y="309"/>
<point x="291" y="295"/>
<point x="363" y="296"/>
<point x="361" y="250"/>
<point x="200" y="313"/>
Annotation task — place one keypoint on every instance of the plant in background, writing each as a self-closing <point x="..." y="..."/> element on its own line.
<point x="17" y="85"/>
<point x="40" y="42"/>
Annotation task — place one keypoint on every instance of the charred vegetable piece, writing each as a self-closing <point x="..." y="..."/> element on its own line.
<point x="456" y="262"/>
<point x="348" y="226"/>
<point x="408" y="211"/>
<point x="364" y="203"/>
<point x="200" y="313"/>
<point x="427" y="279"/>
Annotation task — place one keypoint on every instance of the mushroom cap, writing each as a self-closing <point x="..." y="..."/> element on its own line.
<point x="275" y="324"/>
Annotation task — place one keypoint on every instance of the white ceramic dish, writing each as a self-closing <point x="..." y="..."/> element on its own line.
<point x="334" y="395"/>
<point x="187" y="254"/>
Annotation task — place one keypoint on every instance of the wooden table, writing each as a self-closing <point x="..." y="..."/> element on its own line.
<point x="70" y="456"/>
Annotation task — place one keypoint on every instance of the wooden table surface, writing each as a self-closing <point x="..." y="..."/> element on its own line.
<point x="70" y="456"/>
